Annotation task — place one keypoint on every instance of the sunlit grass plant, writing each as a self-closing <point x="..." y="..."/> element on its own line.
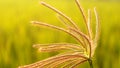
<point x="78" y="53"/>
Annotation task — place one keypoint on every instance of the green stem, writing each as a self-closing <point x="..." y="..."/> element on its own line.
<point x="90" y="62"/>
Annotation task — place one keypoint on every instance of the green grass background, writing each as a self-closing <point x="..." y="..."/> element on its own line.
<point x="17" y="35"/>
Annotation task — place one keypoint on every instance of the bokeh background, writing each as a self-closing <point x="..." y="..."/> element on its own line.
<point x="17" y="35"/>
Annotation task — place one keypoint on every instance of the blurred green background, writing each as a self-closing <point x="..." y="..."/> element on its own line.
<point x="17" y="35"/>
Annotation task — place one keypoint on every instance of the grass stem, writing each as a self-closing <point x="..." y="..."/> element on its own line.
<point x="90" y="62"/>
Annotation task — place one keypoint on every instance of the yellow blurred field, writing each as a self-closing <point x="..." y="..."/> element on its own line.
<point x="17" y="35"/>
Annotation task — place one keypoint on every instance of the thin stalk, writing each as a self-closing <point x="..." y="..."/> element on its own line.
<point x="90" y="63"/>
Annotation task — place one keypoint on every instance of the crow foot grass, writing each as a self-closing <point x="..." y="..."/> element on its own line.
<point x="76" y="54"/>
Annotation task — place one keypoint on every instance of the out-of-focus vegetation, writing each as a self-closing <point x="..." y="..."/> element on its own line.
<point x="17" y="35"/>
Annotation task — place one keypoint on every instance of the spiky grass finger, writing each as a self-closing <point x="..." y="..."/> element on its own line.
<point x="97" y="26"/>
<point x="81" y="10"/>
<point x="83" y="14"/>
<point x="60" y="13"/>
<point x="97" y="33"/>
<point x="89" y="32"/>
<point x="58" y="46"/>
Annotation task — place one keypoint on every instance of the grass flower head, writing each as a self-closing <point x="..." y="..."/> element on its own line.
<point x="79" y="53"/>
